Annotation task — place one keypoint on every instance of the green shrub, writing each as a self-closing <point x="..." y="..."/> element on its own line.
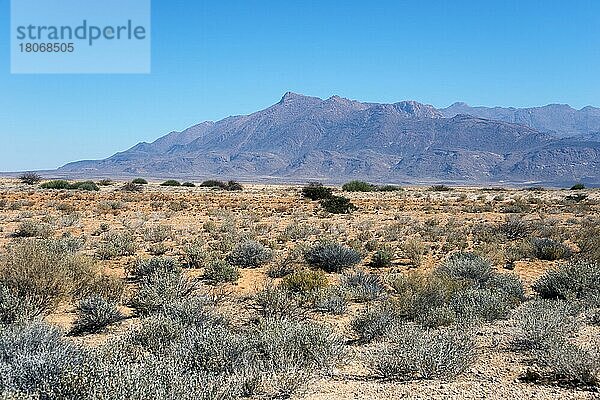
<point x="249" y="254"/>
<point x="234" y="186"/>
<point x="305" y="281"/>
<point x="316" y="191"/>
<point x="389" y="188"/>
<point x="94" y="314"/>
<point x="62" y="184"/>
<point x="139" y="181"/>
<point x="358" y="186"/>
<point x="548" y="249"/>
<point x="30" y="178"/>
<point x="220" y="271"/>
<point x="331" y="257"/>
<point x="578" y="186"/>
<point x="188" y="184"/>
<point x="439" y="188"/>
<point x="170" y="182"/>
<point x="337" y="205"/>
<point x="382" y="259"/>
<point x="86" y="185"/>
<point x="230" y="186"/>
<point x="414" y="353"/>
<point x="211" y="183"/>
<point x="57" y="184"/>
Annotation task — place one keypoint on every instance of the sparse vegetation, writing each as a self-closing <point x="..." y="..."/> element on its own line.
<point x="255" y="294"/>
<point x="139" y="181"/>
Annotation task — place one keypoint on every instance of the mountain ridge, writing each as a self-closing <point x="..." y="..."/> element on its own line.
<point x="302" y="137"/>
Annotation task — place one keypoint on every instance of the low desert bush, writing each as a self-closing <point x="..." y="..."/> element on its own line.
<point x="575" y="280"/>
<point x="157" y="233"/>
<point x="94" y="314"/>
<point x="331" y="257"/>
<point x="548" y="249"/>
<point x="578" y="186"/>
<point x="375" y="321"/>
<point x="132" y="187"/>
<point x="161" y="288"/>
<point x="515" y="228"/>
<point x="156" y="265"/>
<point x="382" y="258"/>
<point x="57" y="184"/>
<point x="188" y="184"/>
<point x="337" y="205"/>
<point x="316" y="191"/>
<point x="194" y="254"/>
<point x="115" y="244"/>
<point x="439" y="188"/>
<point x="42" y="274"/>
<point x="220" y="271"/>
<point x="170" y="182"/>
<point x="361" y="286"/>
<point x="277" y="302"/>
<point x="305" y="282"/>
<point x="30" y="178"/>
<point x="541" y="322"/>
<point x="389" y="188"/>
<point x="249" y="254"/>
<point x="15" y="308"/>
<point x="414" y="353"/>
<point x="566" y="362"/>
<point x="85" y="185"/>
<point x="139" y="181"/>
<point x="358" y="186"/>
<point x="29" y="229"/>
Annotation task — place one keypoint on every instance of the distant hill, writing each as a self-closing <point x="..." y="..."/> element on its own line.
<point x="558" y="119"/>
<point x="337" y="139"/>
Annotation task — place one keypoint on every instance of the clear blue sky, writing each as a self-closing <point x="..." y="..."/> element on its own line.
<point x="211" y="59"/>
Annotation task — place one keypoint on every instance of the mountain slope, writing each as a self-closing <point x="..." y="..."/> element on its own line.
<point x="560" y="119"/>
<point x="336" y="139"/>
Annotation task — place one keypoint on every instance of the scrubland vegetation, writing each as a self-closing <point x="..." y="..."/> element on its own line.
<point x="167" y="290"/>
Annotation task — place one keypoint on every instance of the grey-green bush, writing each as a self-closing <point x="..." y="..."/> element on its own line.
<point x="249" y="254"/>
<point x="331" y="257"/>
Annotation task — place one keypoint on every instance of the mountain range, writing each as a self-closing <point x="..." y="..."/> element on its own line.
<point x="307" y="138"/>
